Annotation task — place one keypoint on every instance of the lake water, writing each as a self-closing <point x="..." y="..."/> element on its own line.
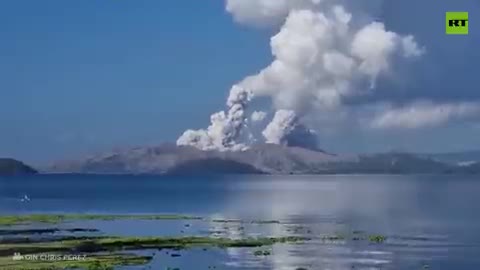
<point x="431" y="222"/>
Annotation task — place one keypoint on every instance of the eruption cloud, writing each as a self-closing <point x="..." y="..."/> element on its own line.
<point x="225" y="127"/>
<point x="322" y="56"/>
<point x="258" y="116"/>
<point x="286" y="129"/>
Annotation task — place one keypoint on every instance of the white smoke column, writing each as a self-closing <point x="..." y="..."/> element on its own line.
<point x="321" y="56"/>
<point x="282" y="124"/>
<point x="286" y="129"/>
<point x="224" y="128"/>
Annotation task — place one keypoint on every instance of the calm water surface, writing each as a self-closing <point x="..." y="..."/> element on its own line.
<point x="432" y="222"/>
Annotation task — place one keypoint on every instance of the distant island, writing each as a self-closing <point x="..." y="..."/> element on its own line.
<point x="10" y="167"/>
<point x="169" y="159"/>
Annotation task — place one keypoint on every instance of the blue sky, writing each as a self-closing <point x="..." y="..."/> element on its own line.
<point x="78" y="77"/>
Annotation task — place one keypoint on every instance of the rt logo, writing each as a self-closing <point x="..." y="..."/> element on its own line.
<point x="457" y="23"/>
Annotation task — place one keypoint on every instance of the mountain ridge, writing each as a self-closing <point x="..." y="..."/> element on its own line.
<point x="258" y="159"/>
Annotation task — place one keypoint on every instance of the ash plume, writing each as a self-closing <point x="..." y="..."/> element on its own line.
<point x="286" y="129"/>
<point x="258" y="116"/>
<point x="322" y="56"/>
<point x="225" y="127"/>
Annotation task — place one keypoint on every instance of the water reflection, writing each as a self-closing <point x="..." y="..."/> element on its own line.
<point x="396" y="207"/>
<point x="429" y="220"/>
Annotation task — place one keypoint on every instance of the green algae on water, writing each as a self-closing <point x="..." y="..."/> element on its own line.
<point x="98" y="244"/>
<point x="54" y="219"/>
<point x="262" y="253"/>
<point x="239" y="221"/>
<point x="109" y="247"/>
<point x="186" y="242"/>
<point x="377" y="238"/>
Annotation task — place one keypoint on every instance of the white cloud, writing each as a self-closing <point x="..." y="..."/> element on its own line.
<point x="411" y="47"/>
<point x="374" y="46"/>
<point x="320" y="58"/>
<point x="265" y="12"/>
<point x="424" y="114"/>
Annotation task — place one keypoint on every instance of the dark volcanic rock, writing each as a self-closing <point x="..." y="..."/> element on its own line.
<point x="10" y="167"/>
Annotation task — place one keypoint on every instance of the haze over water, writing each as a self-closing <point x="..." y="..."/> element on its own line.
<point x="429" y="221"/>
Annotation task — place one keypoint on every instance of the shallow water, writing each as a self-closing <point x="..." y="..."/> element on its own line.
<point x="430" y="221"/>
